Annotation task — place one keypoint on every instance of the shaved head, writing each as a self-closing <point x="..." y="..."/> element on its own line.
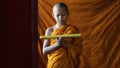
<point x="60" y="5"/>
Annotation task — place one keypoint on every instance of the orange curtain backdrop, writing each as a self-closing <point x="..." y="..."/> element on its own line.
<point x="99" y="23"/>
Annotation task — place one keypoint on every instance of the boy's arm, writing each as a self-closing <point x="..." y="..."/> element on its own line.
<point x="46" y="44"/>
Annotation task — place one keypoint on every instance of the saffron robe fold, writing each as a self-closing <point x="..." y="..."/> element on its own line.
<point x="65" y="57"/>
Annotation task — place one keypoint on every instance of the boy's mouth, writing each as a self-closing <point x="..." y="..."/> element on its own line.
<point x="61" y="20"/>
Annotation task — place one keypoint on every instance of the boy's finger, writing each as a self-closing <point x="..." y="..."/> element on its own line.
<point x="60" y="38"/>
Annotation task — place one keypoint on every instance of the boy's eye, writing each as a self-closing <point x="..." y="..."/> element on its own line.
<point x="58" y="15"/>
<point x="63" y="15"/>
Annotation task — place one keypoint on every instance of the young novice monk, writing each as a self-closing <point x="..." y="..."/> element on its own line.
<point x="61" y="52"/>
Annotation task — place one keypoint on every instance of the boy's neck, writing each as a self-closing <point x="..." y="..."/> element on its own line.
<point x="58" y="25"/>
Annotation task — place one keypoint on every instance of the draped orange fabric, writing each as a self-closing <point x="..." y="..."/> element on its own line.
<point x="99" y="24"/>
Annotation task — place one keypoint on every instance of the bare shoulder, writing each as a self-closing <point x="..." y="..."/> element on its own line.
<point x="48" y="31"/>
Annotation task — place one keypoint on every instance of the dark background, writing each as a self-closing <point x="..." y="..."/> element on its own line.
<point x="16" y="35"/>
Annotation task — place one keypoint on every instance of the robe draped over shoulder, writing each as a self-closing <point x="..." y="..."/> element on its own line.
<point x="64" y="57"/>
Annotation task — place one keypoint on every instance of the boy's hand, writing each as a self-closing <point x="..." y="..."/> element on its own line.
<point x="61" y="41"/>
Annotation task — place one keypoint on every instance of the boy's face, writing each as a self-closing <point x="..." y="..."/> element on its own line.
<point x="60" y="14"/>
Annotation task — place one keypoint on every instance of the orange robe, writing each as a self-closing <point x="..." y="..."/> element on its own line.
<point x="64" y="57"/>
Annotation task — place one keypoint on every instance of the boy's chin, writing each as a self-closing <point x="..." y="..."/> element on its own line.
<point x="62" y="21"/>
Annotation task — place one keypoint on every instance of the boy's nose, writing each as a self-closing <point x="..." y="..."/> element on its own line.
<point x="60" y="17"/>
